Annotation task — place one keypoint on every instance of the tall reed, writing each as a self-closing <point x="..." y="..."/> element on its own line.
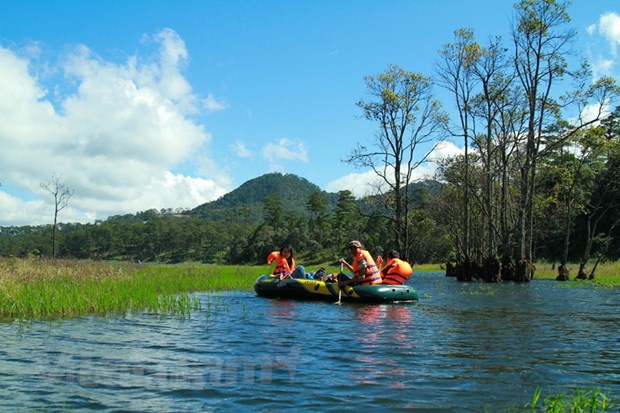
<point x="41" y="289"/>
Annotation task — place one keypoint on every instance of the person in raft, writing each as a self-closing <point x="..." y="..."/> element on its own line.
<point x="285" y="263"/>
<point x="396" y="271"/>
<point x="365" y="271"/>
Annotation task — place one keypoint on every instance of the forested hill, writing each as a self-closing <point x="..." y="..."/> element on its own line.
<point x="246" y="202"/>
<point x="242" y="226"/>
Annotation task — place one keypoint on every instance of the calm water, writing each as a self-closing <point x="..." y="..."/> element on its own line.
<point x="463" y="347"/>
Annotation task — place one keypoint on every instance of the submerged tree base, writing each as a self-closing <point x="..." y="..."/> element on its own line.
<point x="563" y="273"/>
<point x="491" y="270"/>
<point x="524" y="271"/>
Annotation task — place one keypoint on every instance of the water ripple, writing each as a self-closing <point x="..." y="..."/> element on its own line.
<point x="463" y="347"/>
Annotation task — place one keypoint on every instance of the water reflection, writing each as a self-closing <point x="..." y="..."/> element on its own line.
<point x="402" y="326"/>
<point x="281" y="308"/>
<point x="385" y="335"/>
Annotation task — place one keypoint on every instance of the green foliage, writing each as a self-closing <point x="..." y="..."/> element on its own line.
<point x="346" y="224"/>
<point x="318" y="234"/>
<point x="579" y="401"/>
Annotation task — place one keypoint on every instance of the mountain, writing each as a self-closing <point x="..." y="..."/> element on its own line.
<point x="417" y="191"/>
<point x="246" y="202"/>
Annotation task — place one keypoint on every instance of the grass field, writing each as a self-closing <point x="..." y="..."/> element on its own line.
<point x="607" y="274"/>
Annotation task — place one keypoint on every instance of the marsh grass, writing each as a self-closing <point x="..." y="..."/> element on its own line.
<point x="591" y="401"/>
<point x="42" y="289"/>
<point x="607" y="274"/>
<point x="427" y="268"/>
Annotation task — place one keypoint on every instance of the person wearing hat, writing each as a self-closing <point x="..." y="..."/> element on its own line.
<point x="365" y="271"/>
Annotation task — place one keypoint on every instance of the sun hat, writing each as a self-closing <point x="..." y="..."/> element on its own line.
<point x="355" y="244"/>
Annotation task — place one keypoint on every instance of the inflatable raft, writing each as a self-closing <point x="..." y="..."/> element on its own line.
<point x="308" y="289"/>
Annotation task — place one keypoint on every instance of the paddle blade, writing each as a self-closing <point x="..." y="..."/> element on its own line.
<point x="339" y="302"/>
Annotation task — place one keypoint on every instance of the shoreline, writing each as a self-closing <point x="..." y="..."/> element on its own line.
<point x="55" y="289"/>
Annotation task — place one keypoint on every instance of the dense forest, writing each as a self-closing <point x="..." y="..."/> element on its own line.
<point x="243" y="226"/>
<point x="318" y="228"/>
<point x="539" y="177"/>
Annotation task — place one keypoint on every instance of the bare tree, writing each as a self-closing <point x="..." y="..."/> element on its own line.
<point x="540" y="45"/>
<point x="409" y="118"/>
<point x="479" y="80"/>
<point x="495" y="79"/>
<point x="61" y="195"/>
<point x="455" y="72"/>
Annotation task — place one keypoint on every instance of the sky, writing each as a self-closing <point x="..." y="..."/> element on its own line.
<point x="146" y="104"/>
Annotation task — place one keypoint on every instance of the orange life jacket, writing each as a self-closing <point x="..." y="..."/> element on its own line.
<point x="372" y="274"/>
<point x="396" y="272"/>
<point x="282" y="268"/>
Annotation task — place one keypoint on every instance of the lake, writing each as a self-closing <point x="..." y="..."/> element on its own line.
<point x="462" y="347"/>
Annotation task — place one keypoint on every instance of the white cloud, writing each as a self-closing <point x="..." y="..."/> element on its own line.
<point x="603" y="59"/>
<point x="16" y="210"/>
<point x="602" y="67"/>
<point x="214" y="105"/>
<point x="360" y="184"/>
<point x="444" y="150"/>
<point x="366" y="183"/>
<point x="116" y="135"/>
<point x="609" y="27"/>
<point x="241" y="150"/>
<point x="157" y="193"/>
<point x="593" y="111"/>
<point x="286" y="149"/>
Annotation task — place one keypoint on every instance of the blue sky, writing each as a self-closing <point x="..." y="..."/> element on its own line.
<point x="160" y="104"/>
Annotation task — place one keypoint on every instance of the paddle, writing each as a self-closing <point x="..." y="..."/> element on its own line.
<point x="339" y="302"/>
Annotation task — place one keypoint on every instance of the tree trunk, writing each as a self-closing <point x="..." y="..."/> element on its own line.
<point x="491" y="270"/>
<point x="466" y="251"/>
<point x="54" y="248"/>
<point x="581" y="274"/>
<point x="508" y="268"/>
<point x="524" y="271"/>
<point x="563" y="273"/>
<point x="450" y="270"/>
<point x="464" y="270"/>
<point x="591" y="276"/>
